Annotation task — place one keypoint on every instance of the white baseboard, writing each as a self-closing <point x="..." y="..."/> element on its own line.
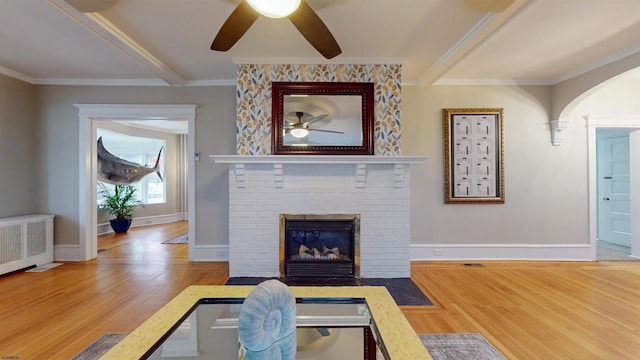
<point x="419" y="252"/>
<point x="422" y="252"/>
<point x="158" y="219"/>
<point x="66" y="253"/>
<point x="204" y="253"/>
<point x="105" y="228"/>
<point x="541" y="252"/>
<point x="209" y="253"/>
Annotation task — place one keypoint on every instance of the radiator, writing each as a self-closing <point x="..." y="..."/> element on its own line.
<point x="25" y="241"/>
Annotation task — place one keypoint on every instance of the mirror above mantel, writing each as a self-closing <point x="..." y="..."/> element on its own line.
<point x="322" y="118"/>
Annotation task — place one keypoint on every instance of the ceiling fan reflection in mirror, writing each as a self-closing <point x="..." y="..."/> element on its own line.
<point x="303" y="17"/>
<point x="301" y="127"/>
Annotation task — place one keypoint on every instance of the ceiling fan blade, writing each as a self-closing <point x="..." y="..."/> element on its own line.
<point x="88" y="6"/>
<point x="234" y="27"/>
<point x="315" y="31"/>
<point x="312" y="120"/>
<point x="327" y="131"/>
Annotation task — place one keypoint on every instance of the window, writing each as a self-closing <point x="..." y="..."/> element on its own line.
<point x="140" y="150"/>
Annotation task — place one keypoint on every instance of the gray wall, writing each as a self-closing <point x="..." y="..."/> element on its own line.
<point x="18" y="144"/>
<point x="58" y="127"/>
<point x="545" y="185"/>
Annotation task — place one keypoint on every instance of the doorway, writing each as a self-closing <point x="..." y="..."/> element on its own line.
<point x="611" y="200"/>
<point x="89" y="115"/>
<point x="614" y="202"/>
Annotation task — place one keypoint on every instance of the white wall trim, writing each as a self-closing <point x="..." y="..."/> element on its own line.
<point x="105" y="228"/>
<point x="594" y="122"/>
<point x="541" y="252"/>
<point x="425" y="252"/>
<point x="209" y="253"/>
<point x="88" y="116"/>
<point x="67" y="253"/>
<point x="114" y="36"/>
<point x="484" y="29"/>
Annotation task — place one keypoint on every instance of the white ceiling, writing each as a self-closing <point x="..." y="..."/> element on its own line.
<point x="166" y="42"/>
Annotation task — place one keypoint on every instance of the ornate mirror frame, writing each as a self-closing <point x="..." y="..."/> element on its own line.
<point x="284" y="90"/>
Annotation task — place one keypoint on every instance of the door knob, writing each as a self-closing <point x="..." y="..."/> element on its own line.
<point x="606" y="199"/>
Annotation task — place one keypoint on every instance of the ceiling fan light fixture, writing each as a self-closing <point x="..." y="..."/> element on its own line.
<point x="299" y="132"/>
<point x="275" y="8"/>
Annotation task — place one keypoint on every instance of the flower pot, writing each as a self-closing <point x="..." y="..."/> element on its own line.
<point x="120" y="226"/>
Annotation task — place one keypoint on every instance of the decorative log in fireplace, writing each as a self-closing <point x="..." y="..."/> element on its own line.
<point x="317" y="246"/>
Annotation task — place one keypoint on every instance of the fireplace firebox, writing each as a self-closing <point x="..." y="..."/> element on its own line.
<point x="319" y="246"/>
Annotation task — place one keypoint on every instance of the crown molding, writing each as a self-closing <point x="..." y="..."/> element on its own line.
<point x="492" y="82"/>
<point x="110" y="82"/>
<point x="221" y="82"/>
<point x="16" y="75"/>
<point x="101" y="82"/>
<point x="294" y="60"/>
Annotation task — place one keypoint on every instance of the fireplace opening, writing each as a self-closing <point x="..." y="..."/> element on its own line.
<point x="318" y="246"/>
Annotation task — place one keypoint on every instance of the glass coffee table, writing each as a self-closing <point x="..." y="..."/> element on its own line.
<point x="350" y="322"/>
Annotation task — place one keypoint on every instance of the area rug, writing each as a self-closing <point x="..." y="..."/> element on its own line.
<point x="100" y="346"/>
<point x="403" y="290"/>
<point x="182" y="239"/>
<point x="459" y="347"/>
<point x="439" y="346"/>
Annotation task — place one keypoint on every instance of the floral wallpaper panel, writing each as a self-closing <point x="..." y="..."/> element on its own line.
<point x="253" y="95"/>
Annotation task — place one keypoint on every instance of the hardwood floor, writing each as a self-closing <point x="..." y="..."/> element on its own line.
<point x="57" y="313"/>
<point x="527" y="310"/>
<point x="537" y="310"/>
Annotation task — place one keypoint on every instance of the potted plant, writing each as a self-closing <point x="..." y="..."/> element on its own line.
<point x="121" y="203"/>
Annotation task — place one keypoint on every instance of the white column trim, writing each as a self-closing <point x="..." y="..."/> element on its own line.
<point x="594" y="122"/>
<point x="557" y="131"/>
<point x="88" y="115"/>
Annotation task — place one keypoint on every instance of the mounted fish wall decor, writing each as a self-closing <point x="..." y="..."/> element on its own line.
<point x="117" y="171"/>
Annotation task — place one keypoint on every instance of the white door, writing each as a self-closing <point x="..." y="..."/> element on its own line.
<point x="614" y="218"/>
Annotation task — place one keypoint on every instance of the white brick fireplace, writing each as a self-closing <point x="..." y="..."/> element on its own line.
<point x="263" y="187"/>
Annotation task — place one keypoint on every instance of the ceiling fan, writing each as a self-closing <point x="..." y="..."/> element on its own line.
<point x="303" y="17"/>
<point x="301" y="128"/>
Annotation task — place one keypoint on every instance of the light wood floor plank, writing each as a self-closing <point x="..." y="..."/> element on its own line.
<point x="546" y="310"/>
<point x="527" y="310"/>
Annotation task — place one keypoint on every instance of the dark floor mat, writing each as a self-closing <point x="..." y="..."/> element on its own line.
<point x="403" y="290"/>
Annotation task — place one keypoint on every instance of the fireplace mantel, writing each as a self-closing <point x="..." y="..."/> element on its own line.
<point x="318" y="159"/>
<point x="262" y="187"/>
<point x="360" y="162"/>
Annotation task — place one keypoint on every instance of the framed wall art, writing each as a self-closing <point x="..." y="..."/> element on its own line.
<point x="473" y="156"/>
